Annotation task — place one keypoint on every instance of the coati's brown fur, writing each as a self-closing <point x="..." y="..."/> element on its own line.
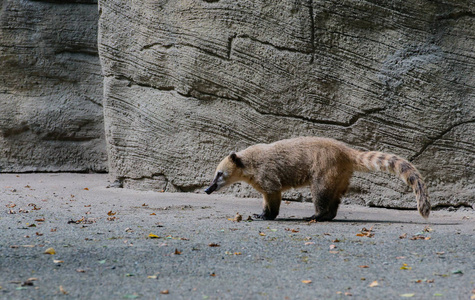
<point x="325" y="164"/>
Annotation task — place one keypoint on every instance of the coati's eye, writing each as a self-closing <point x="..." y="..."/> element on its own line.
<point x="219" y="174"/>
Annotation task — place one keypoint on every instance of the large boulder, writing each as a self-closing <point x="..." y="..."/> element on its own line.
<point x="188" y="81"/>
<point x="51" y="115"/>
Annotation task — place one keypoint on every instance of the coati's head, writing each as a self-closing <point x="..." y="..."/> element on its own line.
<point x="228" y="171"/>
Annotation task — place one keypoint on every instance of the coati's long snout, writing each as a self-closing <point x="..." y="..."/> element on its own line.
<point x="216" y="184"/>
<point x="211" y="188"/>
<point x="227" y="172"/>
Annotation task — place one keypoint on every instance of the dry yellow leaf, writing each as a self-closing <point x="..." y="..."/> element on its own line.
<point x="57" y="261"/>
<point x="374" y="283"/>
<point x="50" y="251"/>
<point x="306" y="281"/>
<point x="237" y="217"/>
<point x="153" y="236"/>
<point x="62" y="290"/>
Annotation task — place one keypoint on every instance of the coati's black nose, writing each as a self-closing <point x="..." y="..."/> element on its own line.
<point x="211" y="188"/>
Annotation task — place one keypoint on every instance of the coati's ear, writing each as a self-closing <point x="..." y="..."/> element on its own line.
<point x="236" y="160"/>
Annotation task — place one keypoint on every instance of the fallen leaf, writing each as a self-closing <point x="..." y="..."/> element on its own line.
<point x="309" y="243"/>
<point x="237" y="217"/>
<point x="214" y="245"/>
<point x="291" y="230"/>
<point x="50" y="251"/>
<point x="366" y="232"/>
<point x="332" y="246"/>
<point x="27" y="283"/>
<point x="40" y="220"/>
<point x="153" y="236"/>
<point x="427" y="229"/>
<point x="177" y="252"/>
<point x="374" y="283"/>
<point x="57" y="261"/>
<point x="306" y="281"/>
<point x="336" y="241"/>
<point x="131" y="296"/>
<point x="403" y="236"/>
<point x="153" y="214"/>
<point x="212" y="274"/>
<point x="457" y="272"/>
<point x="165" y="292"/>
<point x="237" y="253"/>
<point x="86" y="189"/>
<point x="80" y="271"/>
<point x="110" y="213"/>
<point x="152" y="277"/>
<point x="62" y="290"/>
<point x="419" y="237"/>
<point x="261" y="233"/>
<point x="333" y="252"/>
<point x="407" y="295"/>
<point x="144" y="204"/>
<point x="364" y="266"/>
<point x="405" y="267"/>
<point x="348" y="294"/>
<point x="53" y="229"/>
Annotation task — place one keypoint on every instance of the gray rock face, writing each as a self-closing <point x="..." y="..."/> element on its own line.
<point x="188" y="81"/>
<point x="51" y="115"/>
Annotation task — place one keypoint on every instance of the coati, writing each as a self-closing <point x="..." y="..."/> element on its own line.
<point x="325" y="164"/>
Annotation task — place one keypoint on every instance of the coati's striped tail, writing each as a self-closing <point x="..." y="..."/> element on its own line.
<point x="389" y="163"/>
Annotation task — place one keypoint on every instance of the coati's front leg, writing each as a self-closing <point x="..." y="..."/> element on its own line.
<point x="271" y="206"/>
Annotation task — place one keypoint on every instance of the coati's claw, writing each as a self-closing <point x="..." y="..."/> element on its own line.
<point x="319" y="218"/>
<point x="264" y="216"/>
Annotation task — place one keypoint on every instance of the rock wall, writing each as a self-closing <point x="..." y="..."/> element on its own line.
<point x="188" y="81"/>
<point x="51" y="115"/>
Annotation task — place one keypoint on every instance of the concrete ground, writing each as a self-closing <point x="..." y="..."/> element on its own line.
<point x="111" y="243"/>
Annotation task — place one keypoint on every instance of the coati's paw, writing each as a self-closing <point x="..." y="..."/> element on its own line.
<point x="264" y="216"/>
<point x="319" y="218"/>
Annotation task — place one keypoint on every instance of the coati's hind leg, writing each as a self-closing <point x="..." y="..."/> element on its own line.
<point x="271" y="206"/>
<point x="327" y="198"/>
<point x="326" y="206"/>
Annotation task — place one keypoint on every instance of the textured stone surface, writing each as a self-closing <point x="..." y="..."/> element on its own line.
<point x="51" y="115"/>
<point x="188" y="81"/>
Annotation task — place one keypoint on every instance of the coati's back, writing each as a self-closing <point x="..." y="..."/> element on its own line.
<point x="294" y="162"/>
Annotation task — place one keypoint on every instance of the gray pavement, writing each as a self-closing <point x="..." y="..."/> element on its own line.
<point x="114" y="243"/>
